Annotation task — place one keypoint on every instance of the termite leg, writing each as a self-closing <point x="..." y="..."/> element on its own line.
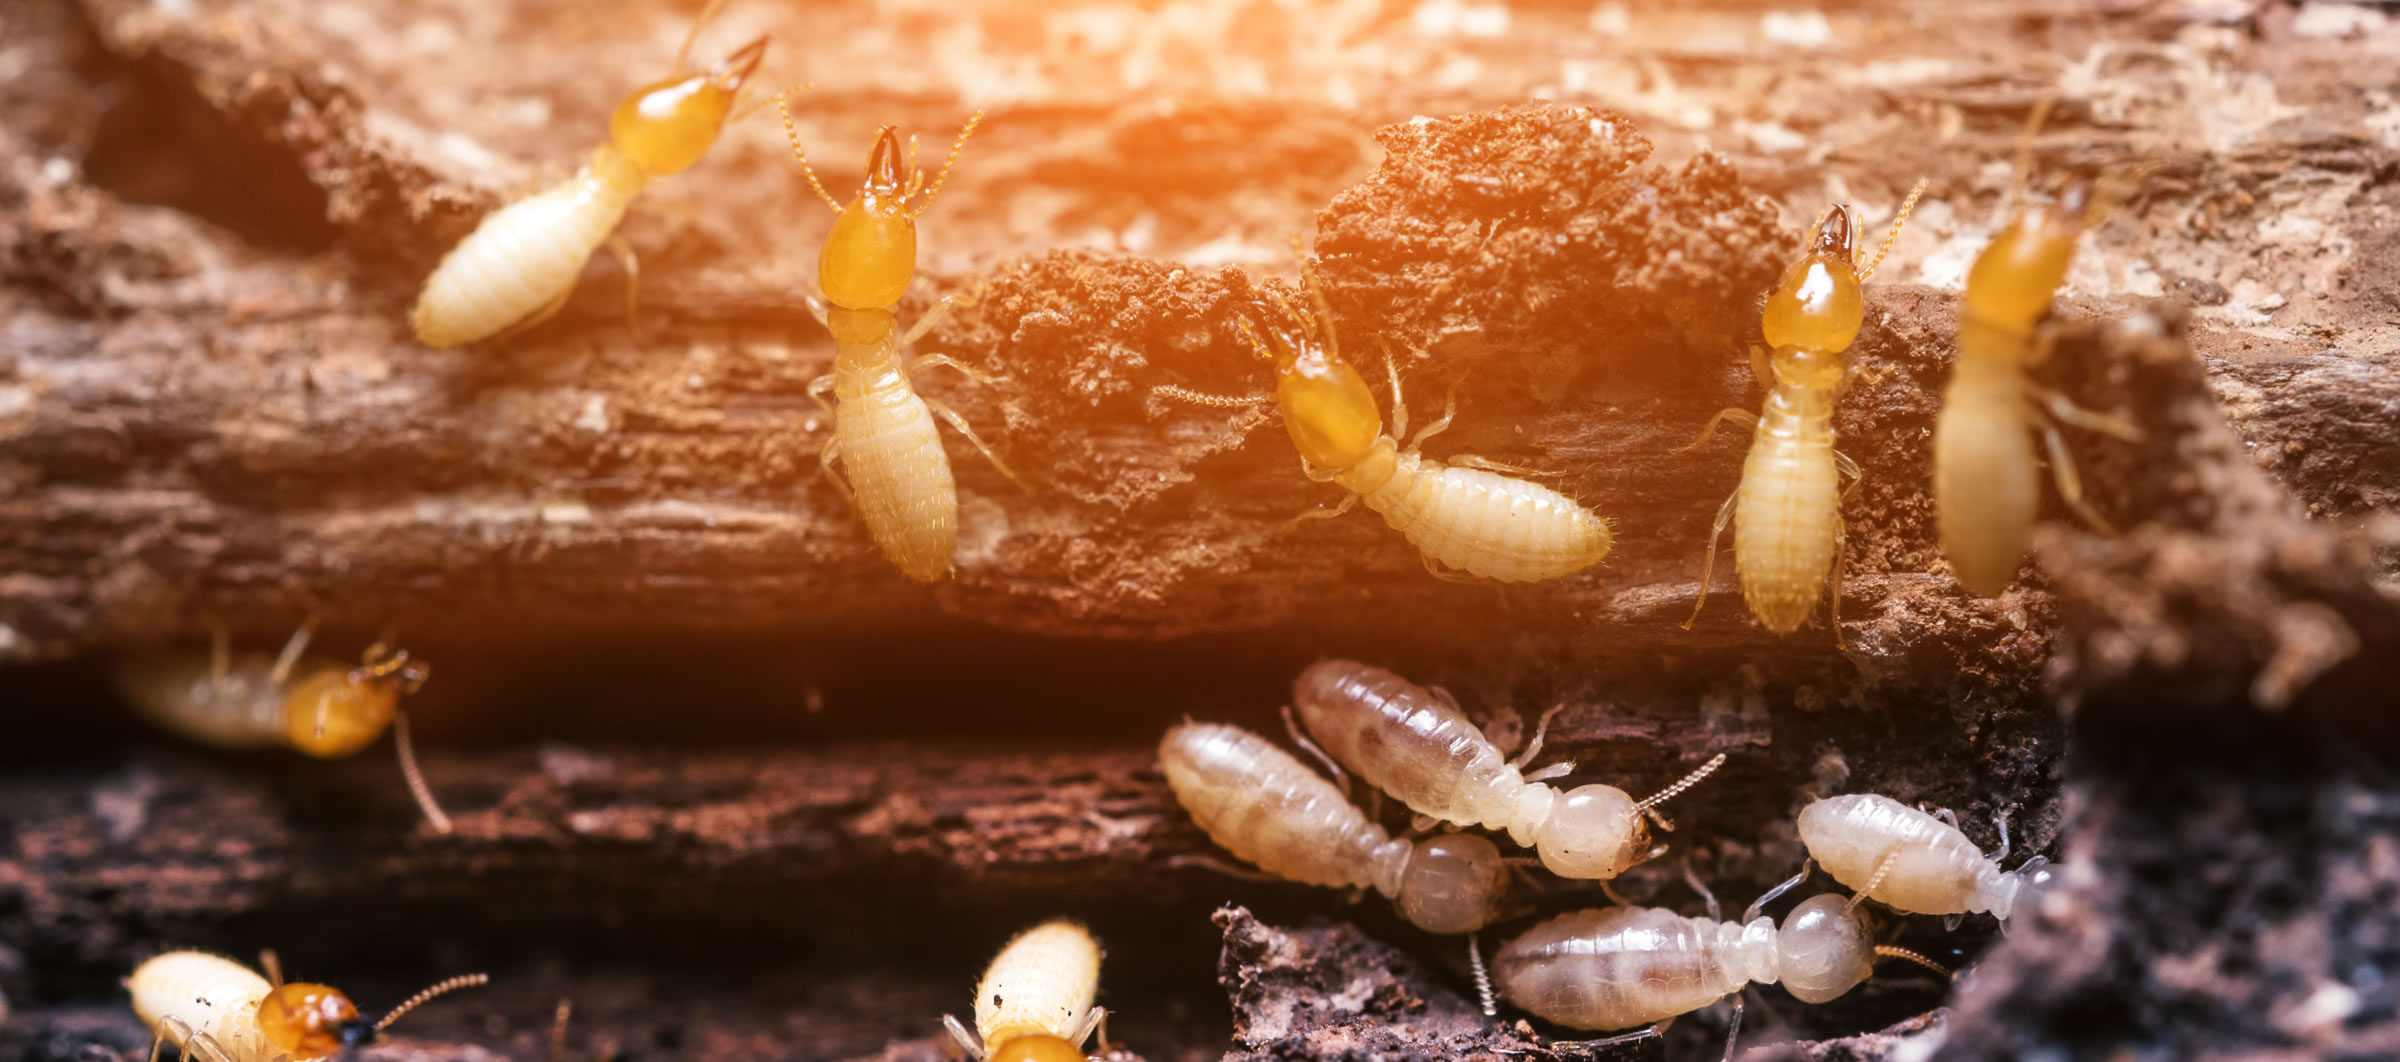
<point x="1761" y="369"/>
<point x="2000" y="820"/>
<point x="1399" y="405"/>
<point x="1489" y="465"/>
<point x="534" y="319"/>
<point x="1748" y="419"/>
<point x="1541" y="731"/>
<point x="1220" y="866"/>
<point x="1610" y="1041"/>
<point x="1708" y="561"/>
<point x="1291" y="726"/>
<point x="1374" y="805"/>
<point x="415" y="777"/>
<point x="1348" y="500"/>
<point x="941" y="310"/>
<point x="818" y="389"/>
<point x="2061" y="408"/>
<point x="1096" y="1021"/>
<point x="632" y="264"/>
<point x="1449" y="411"/>
<point x="1771" y="895"/>
<point x="1715" y="913"/>
<point x="945" y="361"/>
<point x="1560" y="769"/>
<point x="272" y="964"/>
<point x="1841" y="560"/>
<point x="188" y="1042"/>
<point x="1949" y="818"/>
<point x="1444" y="574"/>
<point x="290" y="657"/>
<point x="960" y="423"/>
<point x="1734" y="1027"/>
<point x="1843" y="465"/>
<point x="2070" y="485"/>
<point x="965" y="1039"/>
<point x="1609" y="890"/>
<point x="825" y="459"/>
<point x="1422" y="824"/>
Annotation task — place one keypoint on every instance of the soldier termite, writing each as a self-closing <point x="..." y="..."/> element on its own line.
<point x="1034" y="1003"/>
<point x="518" y="267"/>
<point x="1258" y="802"/>
<point x="1460" y="514"/>
<point x="216" y="1010"/>
<point x="884" y="436"/>
<point x="314" y="705"/>
<point x="1914" y="862"/>
<point x="1985" y="484"/>
<point x="1418" y="746"/>
<point x="1788" y="538"/>
<point x="1622" y="967"/>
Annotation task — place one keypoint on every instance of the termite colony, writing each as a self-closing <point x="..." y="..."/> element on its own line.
<point x="1622" y="969"/>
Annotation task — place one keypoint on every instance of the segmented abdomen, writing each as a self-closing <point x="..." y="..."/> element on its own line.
<point x="1937" y="870"/>
<point x="1042" y="982"/>
<point x="173" y="689"/>
<point x="1405" y="741"/>
<point x="1259" y="803"/>
<point x="1984" y="485"/>
<point x="526" y="255"/>
<point x="215" y="997"/>
<point x="1619" y="967"/>
<point x="1790" y="509"/>
<point x="892" y="455"/>
<point x="1484" y="523"/>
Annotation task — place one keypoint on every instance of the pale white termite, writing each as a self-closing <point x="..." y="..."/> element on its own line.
<point x="1914" y="862"/>
<point x="217" y="1010"/>
<point x="1462" y="514"/>
<point x="1788" y="508"/>
<point x="898" y="476"/>
<point x="330" y="710"/>
<point x="1035" y="1001"/>
<point x="1622" y="967"/>
<point x="1418" y="746"/>
<point x="518" y="267"/>
<point x="1258" y="802"/>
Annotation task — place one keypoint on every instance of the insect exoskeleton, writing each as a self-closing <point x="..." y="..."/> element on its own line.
<point x="518" y="267"/>
<point x="1259" y="803"/>
<point x="217" y="1010"/>
<point x="1418" y="746"/>
<point x="1986" y="485"/>
<point x="1915" y="862"/>
<point x="1622" y="967"/>
<point x="1787" y="512"/>
<point x="314" y="705"/>
<point x="898" y="477"/>
<point x="1035" y="1001"/>
<point x="1463" y="514"/>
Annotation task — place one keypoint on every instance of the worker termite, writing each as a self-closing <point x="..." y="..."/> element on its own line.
<point x="330" y="711"/>
<point x="1788" y="509"/>
<point x="518" y="267"/>
<point x="1914" y="862"/>
<point x="217" y="1010"/>
<point x="1256" y="801"/>
<point x="1418" y="746"/>
<point x="1035" y="1001"/>
<point x="1622" y="967"/>
<point x="1985" y="485"/>
<point x="883" y="434"/>
<point x="1460" y="514"/>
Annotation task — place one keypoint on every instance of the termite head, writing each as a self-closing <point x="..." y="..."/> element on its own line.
<point x="1824" y="949"/>
<point x="664" y="127"/>
<point x="1595" y="831"/>
<point x="2018" y="273"/>
<point x="1816" y="306"/>
<point x="305" y="1020"/>
<point x="336" y="712"/>
<point x="1454" y="883"/>
<point x="1326" y="405"/>
<point x="1036" y="1047"/>
<point x="871" y="255"/>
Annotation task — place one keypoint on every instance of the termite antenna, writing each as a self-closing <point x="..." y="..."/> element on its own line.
<point x="1203" y="398"/>
<point x="1316" y="298"/>
<point x="416" y="778"/>
<point x="438" y="988"/>
<point x="273" y="965"/>
<point x="1817" y="227"/>
<point x="692" y="35"/>
<point x="1893" y="236"/>
<point x="1483" y="977"/>
<point x="784" y="107"/>
<point x="2033" y="128"/>
<point x="1886" y="951"/>
<point x="1689" y="780"/>
<point x="956" y="146"/>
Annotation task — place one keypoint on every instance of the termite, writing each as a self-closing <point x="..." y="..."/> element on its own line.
<point x="1623" y="967"/>
<point x="331" y="710"/>
<point x="1915" y="862"/>
<point x="1461" y="514"/>
<point x="1418" y="746"/>
<point x="1985" y="484"/>
<point x="1035" y="1001"/>
<point x="883" y="434"/>
<point x="518" y="267"/>
<point x="217" y="1010"/>
<point x="1258" y="802"/>
<point x="1788" y="538"/>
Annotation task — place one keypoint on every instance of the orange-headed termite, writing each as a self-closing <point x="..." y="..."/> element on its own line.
<point x="1416" y="745"/>
<point x="1914" y="862"/>
<point x="1460" y="514"/>
<point x="883" y="434"/>
<point x="1788" y="536"/>
<point x="1034" y="1003"/>
<point x="318" y="706"/>
<point x="1986" y="485"/>
<point x="1264" y="806"/>
<point x="217" y="1010"/>
<point x="518" y="267"/>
